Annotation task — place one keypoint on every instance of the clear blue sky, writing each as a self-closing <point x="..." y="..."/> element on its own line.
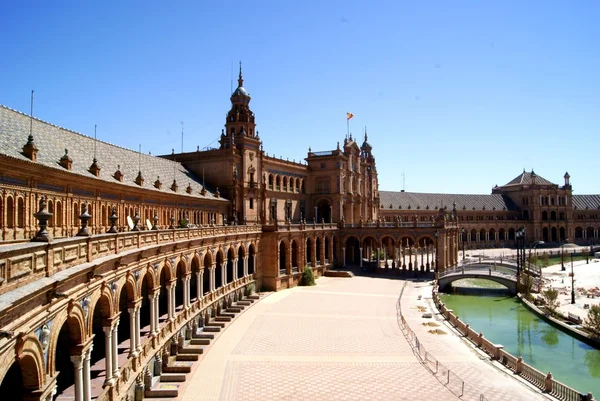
<point x="458" y="95"/>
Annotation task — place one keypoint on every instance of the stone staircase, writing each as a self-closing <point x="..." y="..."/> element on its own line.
<point x="179" y="362"/>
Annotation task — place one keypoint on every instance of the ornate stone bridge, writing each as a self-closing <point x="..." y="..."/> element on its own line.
<point x="506" y="277"/>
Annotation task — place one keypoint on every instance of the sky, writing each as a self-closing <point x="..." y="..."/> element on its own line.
<point x="456" y="96"/>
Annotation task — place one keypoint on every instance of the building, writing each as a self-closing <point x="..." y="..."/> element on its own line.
<point x="110" y="259"/>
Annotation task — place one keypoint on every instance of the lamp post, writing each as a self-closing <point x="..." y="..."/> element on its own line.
<point x="562" y="259"/>
<point x="520" y="236"/>
<point x="572" y="281"/>
<point x="462" y="237"/>
<point x="437" y="234"/>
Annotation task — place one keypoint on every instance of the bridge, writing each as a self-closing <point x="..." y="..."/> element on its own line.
<point x="502" y="271"/>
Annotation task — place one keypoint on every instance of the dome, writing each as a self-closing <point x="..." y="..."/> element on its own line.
<point x="240" y="91"/>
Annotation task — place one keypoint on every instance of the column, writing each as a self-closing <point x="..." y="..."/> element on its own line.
<point x="87" y="379"/>
<point x="152" y="313"/>
<point x="361" y="258"/>
<point x="245" y="265"/>
<point x="199" y="276"/>
<point x="115" y="349"/>
<point x="316" y="209"/>
<point x="77" y="364"/>
<point x="235" y="268"/>
<point x="132" y="332"/>
<point x="157" y="310"/>
<point x="186" y="289"/>
<point x="212" y="277"/>
<point x="108" y="355"/>
<point x="344" y="256"/>
<point x="224" y="271"/>
<point x="138" y="329"/>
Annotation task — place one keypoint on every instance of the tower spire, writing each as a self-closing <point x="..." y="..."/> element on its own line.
<point x="240" y="79"/>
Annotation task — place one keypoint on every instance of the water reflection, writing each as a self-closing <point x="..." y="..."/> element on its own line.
<point x="504" y="320"/>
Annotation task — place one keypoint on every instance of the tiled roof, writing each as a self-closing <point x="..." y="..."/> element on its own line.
<point x="586" y="201"/>
<point x="422" y="201"/>
<point x="525" y="178"/>
<point x="52" y="140"/>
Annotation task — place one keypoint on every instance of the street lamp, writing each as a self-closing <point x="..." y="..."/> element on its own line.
<point x="520" y="236"/>
<point x="437" y="234"/>
<point x="462" y="237"/>
<point x="572" y="281"/>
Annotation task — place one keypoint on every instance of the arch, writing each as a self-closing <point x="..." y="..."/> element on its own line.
<point x="230" y="260"/>
<point x="10" y="217"/>
<point x="295" y="262"/>
<point x="12" y="385"/>
<point x="492" y="234"/>
<point x="502" y="234"/>
<point x="271" y="181"/>
<point x="51" y="210"/>
<point x="278" y="182"/>
<point x="324" y="210"/>
<point x="553" y="215"/>
<point x="318" y="251"/>
<point x="285" y="184"/>
<point x="406" y="241"/>
<point x="352" y="250"/>
<point x="20" y="212"/>
<point x="180" y="275"/>
<point x="589" y="233"/>
<point x="554" y="232"/>
<point x="563" y="234"/>
<point x="251" y="254"/>
<point x="219" y="269"/>
<point x="30" y="361"/>
<point x="327" y="249"/>
<point x="473" y="235"/>
<point x="446" y="281"/>
<point x="544" y="215"/>
<point x="68" y="337"/>
<point x="282" y="258"/>
<point x="206" y="265"/>
<point x="195" y="269"/>
<point x="578" y="232"/>
<point x="545" y="236"/>
<point x="482" y="235"/>
<point x="240" y="262"/>
<point x="308" y="252"/>
<point x="370" y="246"/>
<point x="59" y="214"/>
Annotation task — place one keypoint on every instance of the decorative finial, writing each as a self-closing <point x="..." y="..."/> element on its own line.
<point x="240" y="79"/>
<point x="366" y="136"/>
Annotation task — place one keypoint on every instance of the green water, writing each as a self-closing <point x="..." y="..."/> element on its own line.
<point x="504" y="320"/>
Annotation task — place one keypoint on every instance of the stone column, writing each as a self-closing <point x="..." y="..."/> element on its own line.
<point x="173" y="306"/>
<point x="186" y="291"/>
<point x="224" y="272"/>
<point x="78" y="365"/>
<point x="108" y="381"/>
<point x="199" y="289"/>
<point x="245" y="265"/>
<point x="361" y="257"/>
<point x="115" y="349"/>
<point x="138" y="328"/>
<point x="344" y="256"/>
<point x="132" y="332"/>
<point x="152" y="313"/>
<point x="212" y="277"/>
<point x="87" y="379"/>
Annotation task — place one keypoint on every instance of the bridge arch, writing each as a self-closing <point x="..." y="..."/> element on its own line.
<point x="445" y="282"/>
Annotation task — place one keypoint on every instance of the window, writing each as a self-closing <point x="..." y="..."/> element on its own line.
<point x="251" y="203"/>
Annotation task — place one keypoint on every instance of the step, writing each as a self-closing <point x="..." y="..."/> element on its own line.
<point x="172" y="377"/>
<point x="197" y="350"/>
<point x="223" y="319"/>
<point x="178" y="367"/>
<point x="215" y="323"/>
<point x="226" y="314"/>
<point x="212" y="329"/>
<point x="162" y="390"/>
<point x="186" y="357"/>
<point x="210" y="336"/>
<point x="200" y="341"/>
<point x="253" y="296"/>
<point x="235" y="309"/>
<point x="243" y="303"/>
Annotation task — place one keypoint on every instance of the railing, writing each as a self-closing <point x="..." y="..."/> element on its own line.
<point x="442" y="373"/>
<point x="545" y="382"/>
<point x="24" y="263"/>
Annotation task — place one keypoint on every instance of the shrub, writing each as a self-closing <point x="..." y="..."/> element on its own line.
<point x="525" y="285"/>
<point x="592" y="321"/>
<point x="308" y="277"/>
<point x="551" y="299"/>
<point x="250" y="288"/>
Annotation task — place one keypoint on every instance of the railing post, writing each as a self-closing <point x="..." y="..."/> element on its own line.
<point x="548" y="383"/>
<point x="519" y="368"/>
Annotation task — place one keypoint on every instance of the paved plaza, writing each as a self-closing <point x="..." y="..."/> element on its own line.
<point x="340" y="340"/>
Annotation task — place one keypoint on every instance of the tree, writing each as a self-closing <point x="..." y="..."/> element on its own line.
<point x="592" y="321"/>
<point x="525" y="285"/>
<point x="551" y="299"/>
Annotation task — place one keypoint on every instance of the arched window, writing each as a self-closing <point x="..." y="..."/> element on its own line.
<point x="58" y="218"/>
<point x="20" y="213"/>
<point x="10" y="208"/>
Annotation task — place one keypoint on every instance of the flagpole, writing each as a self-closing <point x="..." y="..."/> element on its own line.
<point x="348" y="128"/>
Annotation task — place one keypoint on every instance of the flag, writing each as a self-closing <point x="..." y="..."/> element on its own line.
<point x="349" y="116"/>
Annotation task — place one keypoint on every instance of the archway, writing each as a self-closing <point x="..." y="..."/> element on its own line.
<point x="352" y="250"/>
<point x="146" y="294"/>
<point x="323" y="211"/>
<point x="124" y="330"/>
<point x="545" y="236"/>
<point x="206" y="274"/>
<point x="12" y="386"/>
<point x="240" y="262"/>
<point x="69" y="338"/>
<point x="563" y="234"/>
<point x="327" y="250"/>
<point x="194" y="290"/>
<point x="219" y="270"/>
<point x="180" y="277"/>
<point x="578" y="233"/>
<point x="251" y="254"/>
<point x="554" y="234"/>
<point x="101" y="317"/>
<point x="308" y="252"/>
<point x="163" y="296"/>
<point x="282" y="258"/>
<point x="318" y="259"/>
<point x="230" y="258"/>
<point x="295" y="263"/>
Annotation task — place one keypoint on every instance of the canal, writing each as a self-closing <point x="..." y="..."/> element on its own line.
<point x="504" y="320"/>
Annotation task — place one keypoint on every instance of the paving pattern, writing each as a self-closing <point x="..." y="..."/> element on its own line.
<point x="338" y="340"/>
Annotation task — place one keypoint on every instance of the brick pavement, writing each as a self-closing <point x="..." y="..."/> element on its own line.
<point x="338" y="340"/>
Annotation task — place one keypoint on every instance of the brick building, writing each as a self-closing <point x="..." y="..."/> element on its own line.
<point x="111" y="260"/>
